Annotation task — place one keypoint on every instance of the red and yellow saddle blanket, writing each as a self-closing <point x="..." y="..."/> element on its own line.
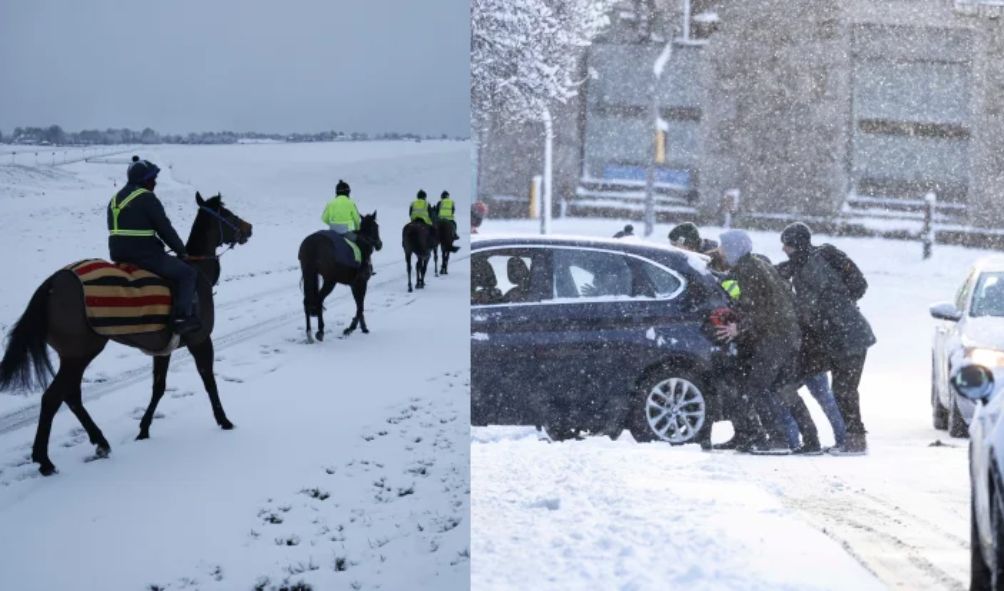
<point x="123" y="299"/>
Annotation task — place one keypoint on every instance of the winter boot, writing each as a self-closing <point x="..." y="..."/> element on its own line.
<point x="855" y="444"/>
<point x="809" y="448"/>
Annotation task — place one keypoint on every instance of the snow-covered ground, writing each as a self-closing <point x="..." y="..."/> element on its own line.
<point x="599" y="514"/>
<point x="348" y="468"/>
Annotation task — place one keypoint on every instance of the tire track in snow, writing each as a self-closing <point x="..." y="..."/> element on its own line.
<point x="22" y="417"/>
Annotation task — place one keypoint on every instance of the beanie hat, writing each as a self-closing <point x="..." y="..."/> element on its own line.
<point x="797" y="236"/>
<point x="421" y="194"/>
<point x="686" y="235"/>
<point x="342" y="188"/>
<point x="735" y="244"/>
<point x="444" y="195"/>
<point x="141" y="171"/>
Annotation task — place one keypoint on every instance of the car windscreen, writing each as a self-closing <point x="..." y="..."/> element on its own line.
<point x="988" y="297"/>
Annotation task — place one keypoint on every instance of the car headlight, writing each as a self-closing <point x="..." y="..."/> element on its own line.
<point x="986" y="357"/>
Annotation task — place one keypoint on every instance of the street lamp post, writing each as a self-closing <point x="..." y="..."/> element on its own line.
<point x="657" y="70"/>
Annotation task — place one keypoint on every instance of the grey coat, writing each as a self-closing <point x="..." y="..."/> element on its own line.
<point x="827" y="310"/>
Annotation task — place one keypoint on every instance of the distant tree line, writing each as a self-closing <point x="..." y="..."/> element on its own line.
<point x="55" y="135"/>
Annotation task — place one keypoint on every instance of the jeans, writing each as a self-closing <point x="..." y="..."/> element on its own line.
<point x="178" y="272"/>
<point x="819" y="387"/>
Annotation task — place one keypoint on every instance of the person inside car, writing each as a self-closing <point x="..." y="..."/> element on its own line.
<point x="519" y="276"/>
<point x="484" y="285"/>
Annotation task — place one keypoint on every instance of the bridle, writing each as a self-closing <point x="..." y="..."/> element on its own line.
<point x="221" y="221"/>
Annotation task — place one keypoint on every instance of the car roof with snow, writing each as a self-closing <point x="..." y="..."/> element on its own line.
<point x="633" y="245"/>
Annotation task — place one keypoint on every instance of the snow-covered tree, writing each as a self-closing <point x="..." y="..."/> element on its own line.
<point x="524" y="61"/>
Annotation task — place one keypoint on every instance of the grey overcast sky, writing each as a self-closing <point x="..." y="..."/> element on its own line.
<point x="205" y="65"/>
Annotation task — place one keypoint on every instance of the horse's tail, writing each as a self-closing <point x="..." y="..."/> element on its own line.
<point x="25" y="363"/>
<point x="311" y="287"/>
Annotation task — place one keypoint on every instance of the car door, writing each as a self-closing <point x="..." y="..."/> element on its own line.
<point x="947" y="339"/>
<point x="505" y="333"/>
<point x="605" y="306"/>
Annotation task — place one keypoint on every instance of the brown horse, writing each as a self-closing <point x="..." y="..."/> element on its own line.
<point x="56" y="317"/>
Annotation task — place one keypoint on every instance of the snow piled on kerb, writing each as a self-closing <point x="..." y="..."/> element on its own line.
<point x="348" y="465"/>
<point x="902" y="510"/>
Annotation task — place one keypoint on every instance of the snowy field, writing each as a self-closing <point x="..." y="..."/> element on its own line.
<point x="348" y="467"/>
<point x="602" y="514"/>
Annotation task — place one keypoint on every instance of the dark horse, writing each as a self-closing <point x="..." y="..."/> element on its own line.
<point x="56" y="317"/>
<point x="317" y="257"/>
<point x="445" y="231"/>
<point x="418" y="239"/>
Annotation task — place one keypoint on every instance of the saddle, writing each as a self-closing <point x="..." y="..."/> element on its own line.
<point x="122" y="299"/>
<point x="347" y="252"/>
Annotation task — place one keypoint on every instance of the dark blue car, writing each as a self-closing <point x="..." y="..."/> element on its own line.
<point x="592" y="335"/>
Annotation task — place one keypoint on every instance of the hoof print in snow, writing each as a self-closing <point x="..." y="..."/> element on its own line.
<point x="549" y="504"/>
<point x="231" y="379"/>
<point x="300" y="567"/>
<point x="329" y="470"/>
<point x="315" y="493"/>
<point x="341" y="564"/>
<point x="403" y="492"/>
<point x="271" y="518"/>
<point x="290" y="541"/>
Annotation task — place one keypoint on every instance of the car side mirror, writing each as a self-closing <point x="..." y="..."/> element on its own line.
<point x="974" y="382"/>
<point x="946" y="311"/>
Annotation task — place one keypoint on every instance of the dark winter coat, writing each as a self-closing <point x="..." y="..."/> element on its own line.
<point x="766" y="310"/>
<point x="143" y="213"/>
<point x="826" y="309"/>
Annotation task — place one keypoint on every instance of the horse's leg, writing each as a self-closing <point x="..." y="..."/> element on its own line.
<point x="203" y="355"/>
<point x="310" y="336"/>
<point x="446" y="259"/>
<point x="160" y="365"/>
<point x="435" y="264"/>
<point x="407" y="260"/>
<point x="74" y="400"/>
<point x="71" y="371"/>
<point x="359" y="293"/>
<point x="324" y="293"/>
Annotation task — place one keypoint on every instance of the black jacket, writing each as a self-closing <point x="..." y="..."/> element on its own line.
<point x="826" y="308"/>
<point x="765" y="306"/>
<point x="142" y="213"/>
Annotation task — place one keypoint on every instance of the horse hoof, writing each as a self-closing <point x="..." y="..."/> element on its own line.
<point x="47" y="469"/>
<point x="102" y="451"/>
<point x="347" y="332"/>
<point x="320" y="336"/>
<point x="225" y="424"/>
<point x="409" y="289"/>
<point x="143" y="435"/>
<point x="310" y="338"/>
<point x="366" y="331"/>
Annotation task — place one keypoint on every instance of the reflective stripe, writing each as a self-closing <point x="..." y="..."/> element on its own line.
<point x="117" y="209"/>
<point x="731" y="286"/>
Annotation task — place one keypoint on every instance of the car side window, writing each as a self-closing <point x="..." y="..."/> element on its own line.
<point x="504" y="277"/>
<point x="963" y="294"/>
<point x="653" y="281"/>
<point x="591" y="274"/>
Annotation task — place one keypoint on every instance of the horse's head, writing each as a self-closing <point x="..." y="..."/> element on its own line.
<point x="370" y="230"/>
<point x="231" y="229"/>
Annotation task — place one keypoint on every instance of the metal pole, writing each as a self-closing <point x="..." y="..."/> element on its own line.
<point x="686" y="20"/>
<point x="927" y="238"/>
<point x="546" y="194"/>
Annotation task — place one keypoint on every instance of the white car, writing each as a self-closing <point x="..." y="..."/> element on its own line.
<point x="971" y="330"/>
<point x="986" y="456"/>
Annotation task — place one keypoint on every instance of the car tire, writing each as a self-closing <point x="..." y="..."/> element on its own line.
<point x="957" y="426"/>
<point x="979" y="574"/>
<point x="939" y="414"/>
<point x="666" y="397"/>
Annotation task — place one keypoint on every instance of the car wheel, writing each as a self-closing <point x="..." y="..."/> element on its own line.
<point x="670" y="407"/>
<point x="979" y="574"/>
<point x="957" y="426"/>
<point x="939" y="414"/>
<point x="559" y="432"/>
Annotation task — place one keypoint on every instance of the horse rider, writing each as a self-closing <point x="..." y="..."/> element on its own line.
<point x="342" y="216"/>
<point x="447" y="208"/>
<point x="419" y="209"/>
<point x="138" y="228"/>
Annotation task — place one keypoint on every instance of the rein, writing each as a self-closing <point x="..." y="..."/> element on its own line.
<point x="220" y="221"/>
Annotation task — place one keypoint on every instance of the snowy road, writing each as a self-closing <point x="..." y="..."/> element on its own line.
<point x="348" y="466"/>
<point x="603" y="514"/>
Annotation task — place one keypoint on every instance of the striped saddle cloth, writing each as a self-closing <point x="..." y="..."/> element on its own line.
<point x="123" y="299"/>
